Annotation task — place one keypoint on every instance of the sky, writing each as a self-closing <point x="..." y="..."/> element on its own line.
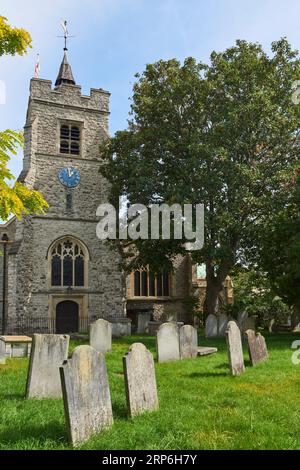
<point x="115" y="39"/>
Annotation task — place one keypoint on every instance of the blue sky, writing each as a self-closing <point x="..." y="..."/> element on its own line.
<point x="116" y="38"/>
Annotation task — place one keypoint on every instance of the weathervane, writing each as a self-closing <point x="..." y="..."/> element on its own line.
<point x="66" y="35"/>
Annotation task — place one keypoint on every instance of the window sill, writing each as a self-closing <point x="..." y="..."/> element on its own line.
<point x="70" y="155"/>
<point x="149" y="298"/>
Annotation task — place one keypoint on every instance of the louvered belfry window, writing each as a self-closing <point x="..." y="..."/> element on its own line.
<point x="70" y="139"/>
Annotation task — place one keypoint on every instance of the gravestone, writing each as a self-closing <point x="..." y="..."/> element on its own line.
<point x="100" y="335"/>
<point x="211" y="327"/>
<point x="223" y="322"/>
<point x="167" y="342"/>
<point x="257" y="347"/>
<point x="2" y="352"/>
<point x="143" y="320"/>
<point x="86" y="394"/>
<point x="188" y="340"/>
<point x="48" y="352"/>
<point x="235" y="350"/>
<point x="140" y="381"/>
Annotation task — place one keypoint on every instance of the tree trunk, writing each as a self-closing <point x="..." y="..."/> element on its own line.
<point x="214" y="286"/>
<point x="213" y="291"/>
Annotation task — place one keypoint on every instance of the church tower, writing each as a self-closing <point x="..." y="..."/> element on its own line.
<point x="60" y="275"/>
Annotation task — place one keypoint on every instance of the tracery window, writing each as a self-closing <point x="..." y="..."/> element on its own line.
<point x="68" y="263"/>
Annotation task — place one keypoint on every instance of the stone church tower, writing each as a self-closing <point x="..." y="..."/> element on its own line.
<point x="60" y="276"/>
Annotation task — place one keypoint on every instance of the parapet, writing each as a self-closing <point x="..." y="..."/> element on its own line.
<point x="69" y="95"/>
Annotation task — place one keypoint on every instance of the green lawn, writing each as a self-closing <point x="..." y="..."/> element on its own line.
<point x="201" y="405"/>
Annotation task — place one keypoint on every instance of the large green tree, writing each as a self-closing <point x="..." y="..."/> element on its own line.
<point x="222" y="134"/>
<point x="15" y="198"/>
<point x="280" y="249"/>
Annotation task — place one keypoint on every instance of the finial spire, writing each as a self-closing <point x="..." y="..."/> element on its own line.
<point x="65" y="74"/>
<point x="66" y="33"/>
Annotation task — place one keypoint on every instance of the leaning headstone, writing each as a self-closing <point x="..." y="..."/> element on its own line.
<point x="257" y="347"/>
<point x="167" y="342"/>
<point x="211" y="327"/>
<point x="86" y="394"/>
<point x="48" y="352"/>
<point x="188" y="340"/>
<point x="223" y="322"/>
<point x="143" y="320"/>
<point x="100" y="335"/>
<point x="140" y="381"/>
<point x="235" y="349"/>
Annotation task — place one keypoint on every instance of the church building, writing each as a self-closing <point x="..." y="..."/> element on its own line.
<point x="56" y="275"/>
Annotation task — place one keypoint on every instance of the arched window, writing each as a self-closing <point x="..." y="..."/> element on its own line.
<point x="148" y="284"/>
<point x="68" y="259"/>
<point x="70" y="139"/>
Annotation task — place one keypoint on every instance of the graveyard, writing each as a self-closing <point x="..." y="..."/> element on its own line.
<point x="201" y="405"/>
<point x="150" y="229"/>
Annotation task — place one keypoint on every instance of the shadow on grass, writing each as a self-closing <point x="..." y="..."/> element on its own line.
<point x="14" y="396"/>
<point x="197" y="375"/>
<point x="148" y="341"/>
<point x="224" y="365"/>
<point x="119" y="410"/>
<point x="52" y="430"/>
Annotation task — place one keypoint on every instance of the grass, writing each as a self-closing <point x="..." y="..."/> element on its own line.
<point x="201" y="405"/>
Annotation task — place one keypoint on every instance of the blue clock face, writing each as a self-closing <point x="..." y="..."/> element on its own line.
<point x="69" y="177"/>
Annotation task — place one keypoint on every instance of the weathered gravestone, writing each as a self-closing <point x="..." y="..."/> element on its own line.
<point x="140" y="381"/>
<point x="2" y="352"/>
<point x="48" y="352"/>
<point x="100" y="335"/>
<point x="86" y="394"/>
<point x="223" y="322"/>
<point x="257" y="347"/>
<point x="188" y="340"/>
<point x="235" y="349"/>
<point x="167" y="342"/>
<point x="211" y="326"/>
<point x="143" y="320"/>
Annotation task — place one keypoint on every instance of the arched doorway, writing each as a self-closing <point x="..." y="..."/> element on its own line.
<point x="67" y="317"/>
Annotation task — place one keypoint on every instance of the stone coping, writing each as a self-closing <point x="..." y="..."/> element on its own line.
<point x="205" y="351"/>
<point x="16" y="339"/>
